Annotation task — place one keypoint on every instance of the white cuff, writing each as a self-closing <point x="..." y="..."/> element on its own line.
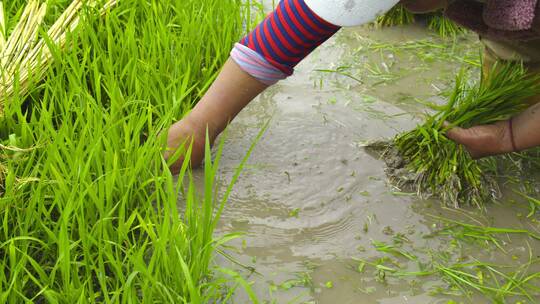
<point x="350" y="12"/>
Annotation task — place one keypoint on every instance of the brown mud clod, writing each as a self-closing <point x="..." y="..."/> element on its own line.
<point x="396" y="166"/>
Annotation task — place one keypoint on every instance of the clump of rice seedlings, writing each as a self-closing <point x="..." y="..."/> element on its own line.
<point x="24" y="56"/>
<point x="98" y="217"/>
<point x="398" y="15"/>
<point x="436" y="21"/>
<point x="445" y="168"/>
<point x="444" y="26"/>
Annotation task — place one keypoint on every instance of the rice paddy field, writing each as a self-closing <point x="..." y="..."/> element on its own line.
<point x="91" y="214"/>
<point x="323" y="222"/>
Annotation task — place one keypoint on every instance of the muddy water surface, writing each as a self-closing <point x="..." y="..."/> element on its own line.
<point x="312" y="201"/>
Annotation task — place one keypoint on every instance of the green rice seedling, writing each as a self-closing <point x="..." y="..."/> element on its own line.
<point x="534" y="203"/>
<point x="436" y="21"/>
<point x="497" y="283"/>
<point x="302" y="279"/>
<point x="443" y="26"/>
<point x="532" y="158"/>
<point x="384" y="267"/>
<point x="24" y="55"/>
<point x="528" y="160"/>
<point x="469" y="232"/>
<point x="398" y="15"/>
<point x="394" y="250"/>
<point x="343" y="71"/>
<point x="444" y="168"/>
<point x="429" y="49"/>
<point x="90" y="212"/>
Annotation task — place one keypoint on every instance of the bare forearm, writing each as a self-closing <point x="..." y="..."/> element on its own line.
<point x="232" y="90"/>
<point x="262" y="59"/>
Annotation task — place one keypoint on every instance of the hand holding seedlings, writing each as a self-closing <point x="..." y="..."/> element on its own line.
<point x="271" y="51"/>
<point x="484" y="140"/>
<point x="519" y="133"/>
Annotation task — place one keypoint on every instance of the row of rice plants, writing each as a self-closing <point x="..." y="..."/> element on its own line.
<point x="89" y="209"/>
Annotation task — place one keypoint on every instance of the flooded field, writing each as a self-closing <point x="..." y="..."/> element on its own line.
<point x="321" y="221"/>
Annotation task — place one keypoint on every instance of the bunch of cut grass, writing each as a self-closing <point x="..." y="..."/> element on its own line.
<point x="97" y="218"/>
<point x="24" y="56"/>
<point x="445" y="168"/>
<point x="398" y="15"/>
<point x="443" y="26"/>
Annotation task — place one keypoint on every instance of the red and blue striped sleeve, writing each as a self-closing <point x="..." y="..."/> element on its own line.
<point x="286" y="36"/>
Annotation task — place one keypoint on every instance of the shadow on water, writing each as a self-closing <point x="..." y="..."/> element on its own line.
<point x="311" y="201"/>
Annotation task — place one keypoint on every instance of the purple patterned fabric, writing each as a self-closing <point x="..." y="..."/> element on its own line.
<point x="510" y="20"/>
<point x="510" y="15"/>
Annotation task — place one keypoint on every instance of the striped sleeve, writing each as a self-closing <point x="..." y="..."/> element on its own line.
<point x="286" y="36"/>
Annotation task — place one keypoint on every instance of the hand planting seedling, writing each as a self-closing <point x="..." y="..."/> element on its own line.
<point x="479" y="116"/>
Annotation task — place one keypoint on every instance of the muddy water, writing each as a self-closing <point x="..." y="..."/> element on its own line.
<point x="311" y="200"/>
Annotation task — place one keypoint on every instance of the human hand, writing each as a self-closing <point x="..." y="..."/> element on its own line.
<point x="232" y="90"/>
<point x="183" y="134"/>
<point x="486" y="140"/>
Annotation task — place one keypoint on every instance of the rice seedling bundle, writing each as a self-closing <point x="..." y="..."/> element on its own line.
<point x="446" y="169"/>
<point x="436" y="21"/>
<point x="443" y="26"/>
<point x="24" y="55"/>
<point x="398" y="15"/>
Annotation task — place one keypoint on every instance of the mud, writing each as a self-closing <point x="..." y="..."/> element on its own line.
<point x="312" y="200"/>
<point x="397" y="171"/>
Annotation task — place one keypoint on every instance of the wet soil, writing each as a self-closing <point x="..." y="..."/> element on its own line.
<point x="312" y="200"/>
